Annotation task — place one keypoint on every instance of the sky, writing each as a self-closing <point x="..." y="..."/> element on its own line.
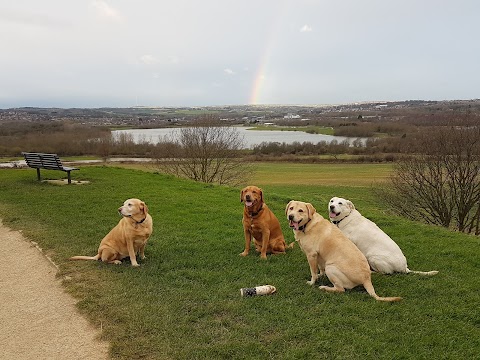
<point x="124" y="53"/>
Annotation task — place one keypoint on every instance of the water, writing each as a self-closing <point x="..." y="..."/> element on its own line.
<point x="251" y="137"/>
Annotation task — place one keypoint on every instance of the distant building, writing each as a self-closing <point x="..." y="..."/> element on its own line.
<point x="292" y="116"/>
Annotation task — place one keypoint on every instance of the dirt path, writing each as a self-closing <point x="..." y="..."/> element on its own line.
<point x="38" y="320"/>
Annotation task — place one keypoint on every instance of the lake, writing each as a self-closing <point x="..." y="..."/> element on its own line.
<point x="251" y="137"/>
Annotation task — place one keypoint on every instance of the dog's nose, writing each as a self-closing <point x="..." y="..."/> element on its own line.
<point x="332" y="207"/>
<point x="120" y="209"/>
<point x="290" y="217"/>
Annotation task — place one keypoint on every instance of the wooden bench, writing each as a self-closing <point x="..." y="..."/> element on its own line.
<point x="46" y="161"/>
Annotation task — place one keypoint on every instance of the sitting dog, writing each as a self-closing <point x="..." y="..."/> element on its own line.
<point x="260" y="223"/>
<point x="128" y="237"/>
<point x="329" y="250"/>
<point x="382" y="253"/>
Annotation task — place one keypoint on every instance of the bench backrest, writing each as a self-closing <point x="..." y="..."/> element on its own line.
<point x="44" y="161"/>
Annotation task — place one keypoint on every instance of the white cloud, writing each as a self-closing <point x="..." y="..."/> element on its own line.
<point x="229" y="71"/>
<point x="148" y="60"/>
<point x="105" y="10"/>
<point x="173" y="59"/>
<point x="306" y="28"/>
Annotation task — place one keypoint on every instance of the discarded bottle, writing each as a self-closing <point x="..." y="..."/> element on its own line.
<point x="258" y="290"/>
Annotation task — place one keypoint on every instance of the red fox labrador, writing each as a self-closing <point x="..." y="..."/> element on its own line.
<point x="260" y="223"/>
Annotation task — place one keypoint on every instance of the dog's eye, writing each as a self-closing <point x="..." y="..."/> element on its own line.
<point x="300" y="210"/>
<point x="340" y="203"/>
<point x="291" y="208"/>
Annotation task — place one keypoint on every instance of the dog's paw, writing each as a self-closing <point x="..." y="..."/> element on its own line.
<point x="135" y="265"/>
<point x="311" y="282"/>
<point x="117" y="262"/>
<point x="244" y="253"/>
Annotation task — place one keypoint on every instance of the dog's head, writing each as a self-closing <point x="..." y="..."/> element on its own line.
<point x="339" y="208"/>
<point x="134" y="208"/>
<point x="299" y="214"/>
<point x="252" y="197"/>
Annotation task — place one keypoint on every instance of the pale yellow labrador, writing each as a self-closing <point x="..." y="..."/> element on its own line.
<point x="330" y="251"/>
<point x="382" y="253"/>
<point x="128" y="237"/>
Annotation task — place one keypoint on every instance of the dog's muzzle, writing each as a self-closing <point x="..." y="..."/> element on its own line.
<point x="248" y="201"/>
<point x="332" y="213"/>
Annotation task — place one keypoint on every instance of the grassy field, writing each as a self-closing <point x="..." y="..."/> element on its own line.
<point x="320" y="174"/>
<point x="184" y="302"/>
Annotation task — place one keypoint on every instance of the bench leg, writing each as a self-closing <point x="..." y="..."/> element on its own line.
<point x="69" y="179"/>
<point x="38" y="174"/>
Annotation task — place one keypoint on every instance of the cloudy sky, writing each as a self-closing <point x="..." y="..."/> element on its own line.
<point x="121" y="53"/>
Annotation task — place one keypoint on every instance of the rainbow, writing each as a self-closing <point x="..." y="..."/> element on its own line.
<point x="258" y="84"/>
<point x="261" y="74"/>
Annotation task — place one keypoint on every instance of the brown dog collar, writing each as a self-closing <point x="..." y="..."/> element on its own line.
<point x="256" y="213"/>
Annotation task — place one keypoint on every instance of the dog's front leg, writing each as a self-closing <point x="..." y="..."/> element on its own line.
<point x="131" y="253"/>
<point x="313" y="263"/>
<point x="248" y="240"/>
<point x="141" y="251"/>
<point x="265" y="241"/>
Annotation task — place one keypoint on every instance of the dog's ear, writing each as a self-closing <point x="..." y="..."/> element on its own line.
<point x="311" y="210"/>
<point x="350" y="205"/>
<point x="261" y="194"/>
<point x="241" y="195"/>
<point x="288" y="205"/>
<point x="144" y="207"/>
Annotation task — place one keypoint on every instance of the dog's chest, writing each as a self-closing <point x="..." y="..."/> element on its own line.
<point x="252" y="224"/>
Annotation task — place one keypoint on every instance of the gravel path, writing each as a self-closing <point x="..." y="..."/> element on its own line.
<point x="38" y="320"/>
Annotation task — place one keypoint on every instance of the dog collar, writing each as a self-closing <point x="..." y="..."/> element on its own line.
<point x="256" y="213"/>
<point x="136" y="222"/>
<point x="338" y="222"/>
<point x="302" y="228"/>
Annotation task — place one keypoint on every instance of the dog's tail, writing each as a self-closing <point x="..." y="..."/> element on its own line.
<point x="426" y="273"/>
<point x="371" y="291"/>
<point x="80" y="257"/>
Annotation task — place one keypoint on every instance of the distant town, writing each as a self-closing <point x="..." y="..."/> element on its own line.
<point x="152" y="117"/>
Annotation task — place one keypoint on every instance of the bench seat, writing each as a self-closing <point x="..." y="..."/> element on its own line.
<point x="48" y="162"/>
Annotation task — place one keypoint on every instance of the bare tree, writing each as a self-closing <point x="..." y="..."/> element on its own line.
<point x="441" y="183"/>
<point x="206" y="152"/>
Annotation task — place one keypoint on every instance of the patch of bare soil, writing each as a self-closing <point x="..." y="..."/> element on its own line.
<point x="38" y="320"/>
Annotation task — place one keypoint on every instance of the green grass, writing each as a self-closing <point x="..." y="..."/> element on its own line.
<point x="184" y="301"/>
<point x="320" y="174"/>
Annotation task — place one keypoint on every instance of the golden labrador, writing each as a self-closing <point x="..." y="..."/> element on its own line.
<point x="128" y="237"/>
<point x="330" y="251"/>
<point x="260" y="223"/>
<point x="382" y="253"/>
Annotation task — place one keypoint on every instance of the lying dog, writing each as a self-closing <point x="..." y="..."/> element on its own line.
<point x="128" y="237"/>
<point x="260" y="223"/>
<point x="329" y="250"/>
<point x="382" y="253"/>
